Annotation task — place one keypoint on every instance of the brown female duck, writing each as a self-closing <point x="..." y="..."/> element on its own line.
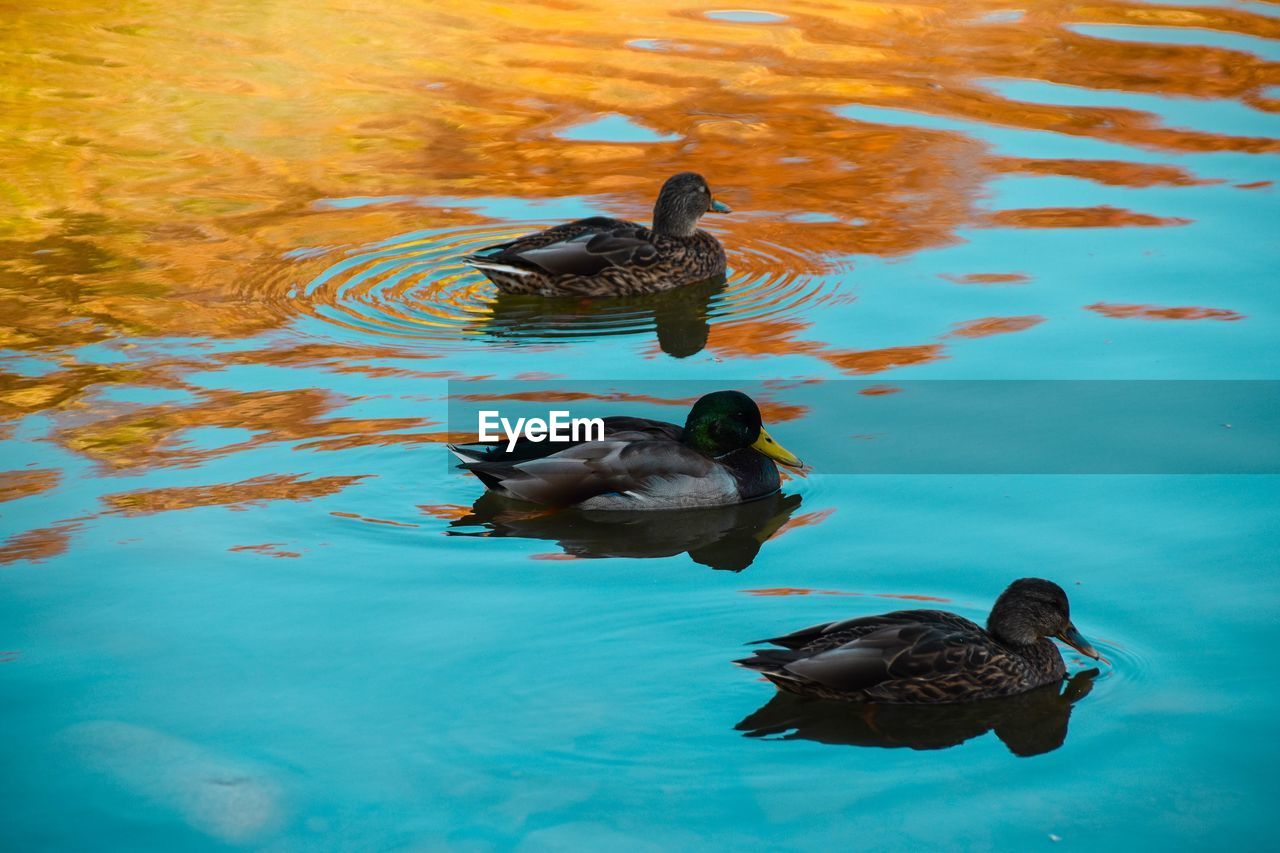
<point x="930" y="656"/>
<point x="612" y="257"/>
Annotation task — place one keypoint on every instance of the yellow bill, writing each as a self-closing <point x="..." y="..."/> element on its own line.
<point x="769" y="447"/>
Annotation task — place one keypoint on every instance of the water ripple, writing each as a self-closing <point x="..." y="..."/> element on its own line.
<point x="416" y="289"/>
<point x="1129" y="666"/>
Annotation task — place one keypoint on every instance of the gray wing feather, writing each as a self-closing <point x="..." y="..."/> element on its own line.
<point x="587" y="470"/>
<point x="893" y="652"/>
<point x="587" y="254"/>
<point x="828" y="635"/>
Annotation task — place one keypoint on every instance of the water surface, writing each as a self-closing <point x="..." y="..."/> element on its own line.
<point x="244" y="605"/>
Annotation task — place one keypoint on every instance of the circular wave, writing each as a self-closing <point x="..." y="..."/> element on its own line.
<point x="1129" y="666"/>
<point x="414" y="288"/>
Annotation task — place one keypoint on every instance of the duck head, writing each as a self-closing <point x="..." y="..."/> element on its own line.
<point x="1031" y="609"/>
<point x="683" y="200"/>
<point x="725" y="421"/>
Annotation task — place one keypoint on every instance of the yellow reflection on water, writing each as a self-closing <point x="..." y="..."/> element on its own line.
<point x="162" y="159"/>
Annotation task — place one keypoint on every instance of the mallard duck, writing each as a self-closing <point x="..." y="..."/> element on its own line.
<point x="722" y="455"/>
<point x="930" y="656"/>
<point x="600" y="256"/>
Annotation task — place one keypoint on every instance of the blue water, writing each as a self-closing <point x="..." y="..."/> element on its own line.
<point x="745" y="16"/>
<point x="1194" y="36"/>
<point x="612" y="128"/>
<point x="353" y="657"/>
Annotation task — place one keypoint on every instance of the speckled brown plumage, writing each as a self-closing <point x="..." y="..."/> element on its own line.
<point x="612" y="257"/>
<point x="928" y="656"/>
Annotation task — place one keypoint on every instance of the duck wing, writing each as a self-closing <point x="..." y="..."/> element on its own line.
<point x="590" y="253"/>
<point x="828" y="635"/>
<point x="641" y="429"/>
<point x="858" y="655"/>
<point x="547" y="236"/>
<point x="590" y="469"/>
<point x="616" y="428"/>
<point x="582" y="248"/>
<point x="892" y="654"/>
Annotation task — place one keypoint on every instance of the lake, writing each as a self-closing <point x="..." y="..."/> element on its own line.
<point x="248" y="603"/>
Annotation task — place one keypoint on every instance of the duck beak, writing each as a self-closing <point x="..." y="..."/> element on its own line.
<point x="719" y="207"/>
<point x="766" y="445"/>
<point x="1072" y="638"/>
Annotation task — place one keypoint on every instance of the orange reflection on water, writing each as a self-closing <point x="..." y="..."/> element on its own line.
<point x="1157" y="312"/>
<point x="795" y="590"/>
<point x="987" y="326"/>
<point x="22" y="484"/>
<point x="799" y="590"/>
<point x="577" y="396"/>
<point x="1114" y="173"/>
<point x="152" y="435"/>
<point x="368" y="520"/>
<point x="778" y="337"/>
<point x="269" y="549"/>
<point x="445" y="512"/>
<point x="1100" y="216"/>
<point x="860" y="362"/>
<point x="39" y="544"/>
<point x="989" y="278"/>
<point x="804" y="519"/>
<point x="339" y="358"/>
<point x="158" y="185"/>
<point x="240" y="495"/>
<point x="770" y="411"/>
<point x="165" y="165"/>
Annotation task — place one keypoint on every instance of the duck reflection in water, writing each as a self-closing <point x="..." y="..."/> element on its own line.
<point x="1031" y="723"/>
<point x="680" y="317"/>
<point x="723" y="537"/>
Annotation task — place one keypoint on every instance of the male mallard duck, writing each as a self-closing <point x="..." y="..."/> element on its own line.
<point x="722" y="455"/>
<point x="612" y="257"/>
<point x="930" y="656"/>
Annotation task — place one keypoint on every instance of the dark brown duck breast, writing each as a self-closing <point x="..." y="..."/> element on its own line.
<point x="929" y="656"/>
<point x="612" y="257"/>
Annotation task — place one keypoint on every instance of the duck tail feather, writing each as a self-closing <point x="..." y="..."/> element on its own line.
<point x="493" y="266"/>
<point x="464" y="454"/>
<point x="796" y="639"/>
<point x="768" y="661"/>
<point x="493" y="476"/>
